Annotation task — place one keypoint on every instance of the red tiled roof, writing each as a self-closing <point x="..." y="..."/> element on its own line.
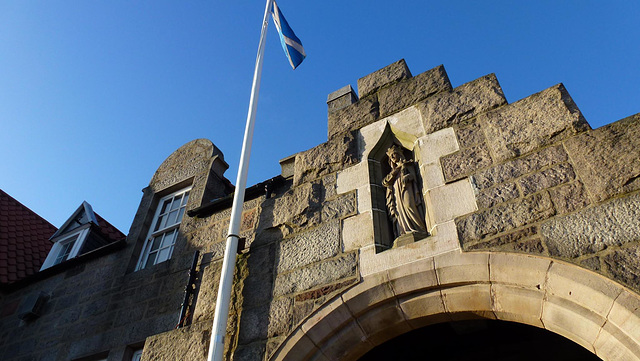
<point x="108" y="230"/>
<point x="24" y="240"/>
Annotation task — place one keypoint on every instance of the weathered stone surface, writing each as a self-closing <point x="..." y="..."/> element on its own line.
<point x="490" y="197"/>
<point x="188" y="343"/>
<point x="559" y="174"/>
<point x="207" y="292"/>
<point x="410" y="91"/>
<point x="325" y="272"/>
<point x="251" y="352"/>
<point x="465" y="162"/>
<point x="308" y="247"/>
<point x="369" y="84"/>
<point x="505" y="217"/>
<point x="341" y="98"/>
<point x="464" y="102"/>
<point x="531" y="123"/>
<point x="355" y="116"/>
<point x="606" y="159"/>
<point x="623" y="265"/>
<point x="470" y="135"/>
<point x="503" y="239"/>
<point x="513" y="169"/>
<point x="258" y="282"/>
<point x="611" y="224"/>
<point x="187" y="161"/>
<point x="569" y="197"/>
<point x="326" y="158"/>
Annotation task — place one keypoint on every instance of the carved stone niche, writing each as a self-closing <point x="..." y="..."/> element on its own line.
<point x="398" y="208"/>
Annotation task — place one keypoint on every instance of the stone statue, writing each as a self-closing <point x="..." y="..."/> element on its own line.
<point x="404" y="200"/>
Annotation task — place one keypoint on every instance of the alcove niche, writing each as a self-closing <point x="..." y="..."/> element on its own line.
<point x="384" y="228"/>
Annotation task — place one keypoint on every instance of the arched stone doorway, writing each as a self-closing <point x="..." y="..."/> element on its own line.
<point x="480" y="340"/>
<point x="588" y="309"/>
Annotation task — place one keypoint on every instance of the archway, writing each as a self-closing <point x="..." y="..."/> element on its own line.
<point x="479" y="340"/>
<point x="586" y="308"/>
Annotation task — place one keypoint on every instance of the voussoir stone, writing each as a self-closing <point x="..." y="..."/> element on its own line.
<point x="606" y="159"/>
<point x="369" y="84"/>
<point x="591" y="230"/>
<point x="531" y="123"/>
<point x="464" y="102"/>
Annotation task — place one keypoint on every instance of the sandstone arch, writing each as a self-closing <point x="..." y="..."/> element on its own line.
<point x="582" y="306"/>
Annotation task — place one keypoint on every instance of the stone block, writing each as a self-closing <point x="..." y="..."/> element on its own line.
<point x="383" y="323"/>
<point x="408" y="92"/>
<point x="548" y="178"/>
<point x="368" y="137"/>
<point x="369" y="84"/>
<point x="523" y="271"/>
<point x="532" y="123"/>
<point x="357" y="231"/>
<point x="352" y="178"/>
<point x="324" y="323"/>
<point x="470" y="135"/>
<point x="576" y="323"/>
<point x="468" y="299"/>
<point x="624" y="265"/>
<point x="373" y="290"/>
<point x="329" y="157"/>
<point x="287" y="166"/>
<point x="298" y="347"/>
<point x="318" y="244"/>
<point x="435" y="145"/>
<point x="501" y="193"/>
<point x="252" y="352"/>
<point x="355" y="116"/>
<point x="465" y="162"/>
<point x="406" y="125"/>
<point x="505" y="239"/>
<point x="423" y="309"/>
<point x="464" y="102"/>
<point x="456" y="267"/>
<point x="363" y="196"/>
<point x="613" y="344"/>
<point x="569" y="197"/>
<point x="606" y="159"/>
<point x="443" y="239"/>
<point x="412" y="277"/>
<point x="516" y="304"/>
<point x="593" y="229"/>
<point x="505" y="217"/>
<point x="432" y="177"/>
<point x="325" y="272"/>
<point x="341" y="98"/>
<point x="187" y="343"/>
<point x="625" y="314"/>
<point x="451" y="200"/>
<point x="513" y="169"/>
<point x="583" y="289"/>
<point x="348" y="344"/>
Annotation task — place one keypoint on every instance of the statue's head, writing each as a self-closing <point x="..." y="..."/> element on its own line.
<point x="395" y="155"/>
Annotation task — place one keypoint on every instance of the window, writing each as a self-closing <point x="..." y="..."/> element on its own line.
<point x="65" y="248"/>
<point x="137" y="355"/>
<point x="164" y="229"/>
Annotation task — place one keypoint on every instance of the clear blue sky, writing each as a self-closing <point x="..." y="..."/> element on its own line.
<point x="94" y="95"/>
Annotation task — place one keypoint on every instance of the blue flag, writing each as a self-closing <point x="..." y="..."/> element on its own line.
<point x="290" y="43"/>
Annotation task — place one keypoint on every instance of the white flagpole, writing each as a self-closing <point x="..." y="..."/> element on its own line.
<point x="216" y="346"/>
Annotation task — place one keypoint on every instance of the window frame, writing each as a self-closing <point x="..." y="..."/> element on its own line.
<point x="79" y="235"/>
<point x="153" y="233"/>
<point x="136" y="355"/>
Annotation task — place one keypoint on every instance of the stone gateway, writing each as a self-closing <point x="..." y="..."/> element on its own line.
<point x="508" y="219"/>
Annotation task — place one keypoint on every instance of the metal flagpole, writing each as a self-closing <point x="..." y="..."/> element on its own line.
<point x="216" y="346"/>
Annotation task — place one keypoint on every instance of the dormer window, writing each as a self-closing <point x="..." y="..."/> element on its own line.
<point x="164" y="230"/>
<point x="83" y="232"/>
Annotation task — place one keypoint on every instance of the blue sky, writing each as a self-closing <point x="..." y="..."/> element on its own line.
<point x="94" y="95"/>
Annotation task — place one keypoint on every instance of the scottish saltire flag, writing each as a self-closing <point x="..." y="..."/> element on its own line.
<point x="290" y="43"/>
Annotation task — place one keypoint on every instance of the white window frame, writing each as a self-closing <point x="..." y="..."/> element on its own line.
<point x="137" y="355"/>
<point x="161" y="232"/>
<point x="80" y="235"/>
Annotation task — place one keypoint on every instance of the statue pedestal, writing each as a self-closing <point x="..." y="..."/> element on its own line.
<point x="409" y="238"/>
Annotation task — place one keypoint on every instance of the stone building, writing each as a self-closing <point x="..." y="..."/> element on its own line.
<point x="530" y="243"/>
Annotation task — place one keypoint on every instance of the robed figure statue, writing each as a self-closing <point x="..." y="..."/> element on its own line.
<point x="404" y="200"/>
